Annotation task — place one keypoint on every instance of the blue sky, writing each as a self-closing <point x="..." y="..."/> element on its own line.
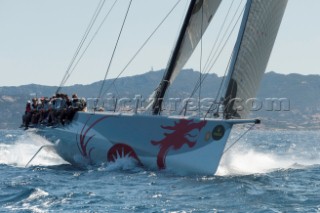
<point x="39" y="37"/>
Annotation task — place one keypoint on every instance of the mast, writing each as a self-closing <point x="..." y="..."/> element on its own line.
<point x="197" y="20"/>
<point x="161" y="90"/>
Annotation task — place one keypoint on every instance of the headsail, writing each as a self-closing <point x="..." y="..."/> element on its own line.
<point x="198" y="17"/>
<point x="257" y="35"/>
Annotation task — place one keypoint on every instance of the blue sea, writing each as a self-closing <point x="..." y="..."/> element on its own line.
<point x="266" y="171"/>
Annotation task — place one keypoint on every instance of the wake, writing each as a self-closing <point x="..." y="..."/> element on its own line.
<point x="260" y="152"/>
<point x="19" y="152"/>
<point x="247" y="157"/>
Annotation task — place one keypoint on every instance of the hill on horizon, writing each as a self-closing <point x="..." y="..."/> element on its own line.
<point x="300" y="91"/>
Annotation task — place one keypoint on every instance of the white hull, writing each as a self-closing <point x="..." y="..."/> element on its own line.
<point x="174" y="143"/>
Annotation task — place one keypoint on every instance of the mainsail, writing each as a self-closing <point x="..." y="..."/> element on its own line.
<point x="257" y="35"/>
<point x="198" y="17"/>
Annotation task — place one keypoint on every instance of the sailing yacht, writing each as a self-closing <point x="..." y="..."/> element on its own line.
<point x="188" y="144"/>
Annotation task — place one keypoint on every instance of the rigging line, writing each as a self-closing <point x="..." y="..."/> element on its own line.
<point x="201" y="52"/>
<point x="96" y="13"/>
<point x="91" y="23"/>
<point x="219" y="53"/>
<point x="142" y="46"/>
<point x="94" y="35"/>
<point x="218" y="37"/>
<point x="113" y="53"/>
<point x="207" y="71"/>
<point x="94" y="18"/>
<point x="224" y="35"/>
<point x="220" y="86"/>
<point x="227" y="149"/>
<point x="226" y="70"/>
<point x="214" y="57"/>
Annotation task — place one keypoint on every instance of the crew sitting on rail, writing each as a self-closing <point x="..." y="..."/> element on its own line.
<point x="44" y="109"/>
<point x="73" y="106"/>
<point x="58" y="109"/>
<point x="58" y="103"/>
<point x="27" y="115"/>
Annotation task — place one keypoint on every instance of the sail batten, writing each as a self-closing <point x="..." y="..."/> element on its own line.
<point x="198" y="17"/>
<point x="256" y="38"/>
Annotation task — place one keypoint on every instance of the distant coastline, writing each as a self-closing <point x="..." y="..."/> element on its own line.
<point x="301" y="92"/>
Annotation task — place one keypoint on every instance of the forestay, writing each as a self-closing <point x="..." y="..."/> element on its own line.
<point x="257" y="35"/>
<point x="197" y="19"/>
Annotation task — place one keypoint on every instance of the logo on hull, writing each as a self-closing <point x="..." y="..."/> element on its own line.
<point x="218" y="132"/>
<point x="179" y="136"/>
<point x="122" y="150"/>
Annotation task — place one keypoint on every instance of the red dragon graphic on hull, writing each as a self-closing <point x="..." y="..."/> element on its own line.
<point x="121" y="150"/>
<point x="177" y="138"/>
<point x="83" y="142"/>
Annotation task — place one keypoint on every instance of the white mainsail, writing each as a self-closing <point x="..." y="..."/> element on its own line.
<point x="198" y="18"/>
<point x="257" y="35"/>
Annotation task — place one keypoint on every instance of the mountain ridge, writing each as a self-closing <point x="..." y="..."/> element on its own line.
<point x="302" y="91"/>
